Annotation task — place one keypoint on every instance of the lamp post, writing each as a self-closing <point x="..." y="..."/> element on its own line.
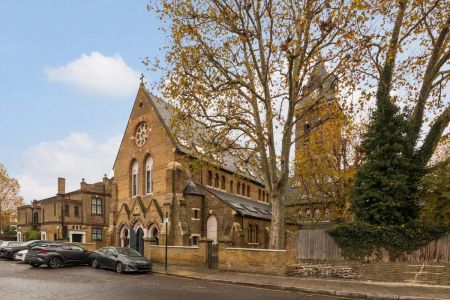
<point x="166" y="220"/>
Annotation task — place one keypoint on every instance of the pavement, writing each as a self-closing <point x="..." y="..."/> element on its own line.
<point x="341" y="288"/>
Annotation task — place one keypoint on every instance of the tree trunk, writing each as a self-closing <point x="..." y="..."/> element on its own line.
<point x="277" y="236"/>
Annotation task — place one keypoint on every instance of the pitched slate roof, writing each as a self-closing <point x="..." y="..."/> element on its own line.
<point x="192" y="189"/>
<point x="242" y="205"/>
<point x="229" y="161"/>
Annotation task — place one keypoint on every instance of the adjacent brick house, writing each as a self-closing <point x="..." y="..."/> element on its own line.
<point x="78" y="216"/>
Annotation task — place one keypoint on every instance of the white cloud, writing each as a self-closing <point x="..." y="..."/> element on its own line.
<point x="74" y="157"/>
<point x="97" y="74"/>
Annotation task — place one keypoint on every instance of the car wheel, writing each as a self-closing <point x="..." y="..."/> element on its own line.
<point x="94" y="264"/>
<point x="119" y="268"/>
<point x="35" y="265"/>
<point x="54" y="262"/>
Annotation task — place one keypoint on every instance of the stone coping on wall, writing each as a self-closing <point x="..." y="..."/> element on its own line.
<point x="256" y="249"/>
<point x="183" y="247"/>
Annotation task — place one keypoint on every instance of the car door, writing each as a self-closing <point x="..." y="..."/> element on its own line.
<point x="111" y="258"/>
<point x="67" y="253"/>
<point x="80" y="255"/>
<point x="100" y="256"/>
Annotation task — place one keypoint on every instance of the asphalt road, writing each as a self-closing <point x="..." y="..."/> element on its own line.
<point x="20" y="281"/>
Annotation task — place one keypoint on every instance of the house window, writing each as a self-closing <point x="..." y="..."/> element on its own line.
<point x="256" y="233"/>
<point x="134" y="179"/>
<point x="243" y="189"/>
<point x="259" y="195"/>
<point x="35" y="217"/>
<point x="54" y="209"/>
<point x="249" y="237"/>
<point x="148" y="175"/>
<point x="209" y="179"/>
<point x="216" y="181"/>
<point x="222" y="183"/>
<point x="96" y="234"/>
<point x="195" y="239"/>
<point x="97" y="206"/>
<point x="196" y="213"/>
<point x="231" y="186"/>
<point x="238" y="188"/>
<point x="248" y="191"/>
<point x="76" y="212"/>
<point x="66" y="210"/>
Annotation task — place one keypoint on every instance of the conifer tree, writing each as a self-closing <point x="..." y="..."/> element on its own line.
<point x="386" y="185"/>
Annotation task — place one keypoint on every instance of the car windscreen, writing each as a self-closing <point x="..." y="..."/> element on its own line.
<point x="27" y="243"/>
<point x="128" y="252"/>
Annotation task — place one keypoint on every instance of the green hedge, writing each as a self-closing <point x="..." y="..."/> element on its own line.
<point x="32" y="235"/>
<point x="360" y="240"/>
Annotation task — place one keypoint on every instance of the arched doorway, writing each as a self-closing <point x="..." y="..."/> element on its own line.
<point x="154" y="235"/>
<point x="125" y="237"/>
<point x="211" y="229"/>
<point x="140" y="240"/>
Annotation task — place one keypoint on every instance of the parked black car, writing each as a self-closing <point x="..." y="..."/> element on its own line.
<point x="9" y="251"/>
<point x="120" y="259"/>
<point x="7" y="245"/>
<point x="57" y="254"/>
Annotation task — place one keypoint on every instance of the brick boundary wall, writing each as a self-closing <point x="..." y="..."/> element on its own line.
<point x="178" y="255"/>
<point x="421" y="273"/>
<point x="266" y="261"/>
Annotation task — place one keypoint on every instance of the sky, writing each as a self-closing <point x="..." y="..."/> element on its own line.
<point x="69" y="73"/>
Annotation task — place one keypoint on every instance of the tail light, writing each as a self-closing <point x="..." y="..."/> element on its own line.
<point x="43" y="251"/>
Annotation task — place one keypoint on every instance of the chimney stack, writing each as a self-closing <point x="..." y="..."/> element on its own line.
<point x="61" y="185"/>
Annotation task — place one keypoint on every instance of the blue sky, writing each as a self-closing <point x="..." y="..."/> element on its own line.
<point x="69" y="71"/>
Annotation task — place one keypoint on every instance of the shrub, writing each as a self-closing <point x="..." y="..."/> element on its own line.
<point x="360" y="240"/>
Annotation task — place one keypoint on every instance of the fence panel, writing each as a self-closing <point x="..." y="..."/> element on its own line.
<point x="319" y="245"/>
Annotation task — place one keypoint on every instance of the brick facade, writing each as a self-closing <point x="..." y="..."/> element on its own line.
<point x="69" y="215"/>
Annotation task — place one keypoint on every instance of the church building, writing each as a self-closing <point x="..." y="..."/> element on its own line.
<point x="156" y="182"/>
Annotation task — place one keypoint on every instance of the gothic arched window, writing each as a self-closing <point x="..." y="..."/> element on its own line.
<point x="134" y="179"/>
<point x="216" y="181"/>
<point x="149" y="175"/>
<point x="209" y="179"/>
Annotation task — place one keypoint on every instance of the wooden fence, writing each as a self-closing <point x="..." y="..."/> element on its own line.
<point x="319" y="245"/>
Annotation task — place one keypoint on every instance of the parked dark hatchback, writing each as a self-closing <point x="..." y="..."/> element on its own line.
<point x="5" y="246"/>
<point x="8" y="252"/>
<point x="120" y="259"/>
<point x="57" y="254"/>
